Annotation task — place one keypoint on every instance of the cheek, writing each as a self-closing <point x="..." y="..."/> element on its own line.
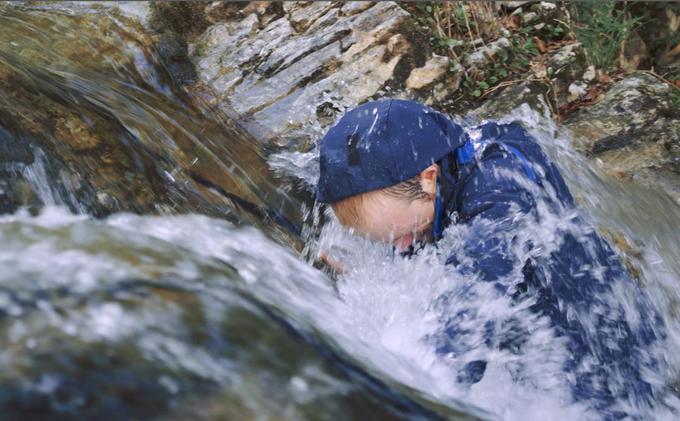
<point x="385" y="223"/>
<point x="392" y="218"/>
<point x="406" y="219"/>
<point x="417" y="214"/>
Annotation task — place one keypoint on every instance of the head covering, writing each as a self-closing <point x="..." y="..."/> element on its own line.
<point x="382" y="143"/>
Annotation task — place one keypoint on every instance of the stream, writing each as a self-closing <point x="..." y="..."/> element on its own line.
<point x="159" y="262"/>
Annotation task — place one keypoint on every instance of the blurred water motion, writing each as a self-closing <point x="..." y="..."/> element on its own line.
<point x="202" y="307"/>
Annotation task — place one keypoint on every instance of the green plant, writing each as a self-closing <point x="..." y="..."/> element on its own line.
<point x="458" y="29"/>
<point x="554" y="31"/>
<point x="602" y="28"/>
<point x="675" y="98"/>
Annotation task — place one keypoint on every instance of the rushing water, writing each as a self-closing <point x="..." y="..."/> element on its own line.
<point x="207" y="310"/>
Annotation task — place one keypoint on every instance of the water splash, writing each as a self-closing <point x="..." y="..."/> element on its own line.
<point x="390" y="300"/>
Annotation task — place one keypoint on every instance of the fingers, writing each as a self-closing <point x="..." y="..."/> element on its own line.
<point x="333" y="264"/>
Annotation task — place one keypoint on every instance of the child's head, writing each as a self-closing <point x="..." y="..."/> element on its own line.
<point x="402" y="213"/>
<point x="378" y="168"/>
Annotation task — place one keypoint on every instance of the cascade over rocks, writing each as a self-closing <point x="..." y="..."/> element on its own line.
<point x="104" y="113"/>
<point x="77" y="129"/>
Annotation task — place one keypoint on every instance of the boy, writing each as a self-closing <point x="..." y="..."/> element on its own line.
<point x="395" y="170"/>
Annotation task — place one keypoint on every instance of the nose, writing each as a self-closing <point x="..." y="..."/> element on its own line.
<point x="404" y="242"/>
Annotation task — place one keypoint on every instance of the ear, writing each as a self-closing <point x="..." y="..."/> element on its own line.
<point x="428" y="180"/>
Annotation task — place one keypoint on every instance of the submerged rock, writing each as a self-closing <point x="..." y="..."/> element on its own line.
<point x="96" y="124"/>
<point x="132" y="326"/>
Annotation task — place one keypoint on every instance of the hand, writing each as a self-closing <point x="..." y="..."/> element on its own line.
<point x="334" y="265"/>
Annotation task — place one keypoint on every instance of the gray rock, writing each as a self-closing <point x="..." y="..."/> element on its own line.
<point x="590" y="74"/>
<point x="532" y="93"/>
<point x="566" y="66"/>
<point x="576" y="90"/>
<point x="485" y="54"/>
<point x="353" y="7"/>
<point x="301" y="70"/>
<point x="301" y="15"/>
<point x="513" y="5"/>
<point x="255" y="92"/>
<point x="634" y="132"/>
<point x="431" y="72"/>
<point x="546" y="5"/>
<point x="529" y="17"/>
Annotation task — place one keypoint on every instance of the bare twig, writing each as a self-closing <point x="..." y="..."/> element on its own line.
<point x="658" y="76"/>
<point x="474" y="17"/>
<point x="438" y="25"/>
<point x="448" y="18"/>
<point x="467" y="24"/>
<point x="509" y="83"/>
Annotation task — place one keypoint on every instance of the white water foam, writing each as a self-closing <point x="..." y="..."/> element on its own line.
<point x="389" y="302"/>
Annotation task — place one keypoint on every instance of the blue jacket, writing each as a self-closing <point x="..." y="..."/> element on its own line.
<point x="504" y="182"/>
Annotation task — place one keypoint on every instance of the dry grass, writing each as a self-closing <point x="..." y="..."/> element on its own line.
<point x="468" y="23"/>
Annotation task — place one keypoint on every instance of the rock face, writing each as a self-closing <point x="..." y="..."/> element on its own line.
<point x="634" y="132"/>
<point x="305" y="67"/>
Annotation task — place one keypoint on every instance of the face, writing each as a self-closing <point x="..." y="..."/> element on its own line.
<point x="399" y="221"/>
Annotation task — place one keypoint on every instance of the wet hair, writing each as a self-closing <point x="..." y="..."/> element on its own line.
<point x="410" y="190"/>
<point x="348" y="211"/>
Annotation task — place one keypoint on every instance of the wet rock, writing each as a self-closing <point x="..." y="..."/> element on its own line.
<point x="634" y="132"/>
<point x="174" y="52"/>
<point x="102" y="129"/>
<point x="134" y="325"/>
<point x="73" y="131"/>
<point x="310" y="64"/>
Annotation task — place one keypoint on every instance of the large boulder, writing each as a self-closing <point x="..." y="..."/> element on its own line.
<point x="634" y="132"/>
